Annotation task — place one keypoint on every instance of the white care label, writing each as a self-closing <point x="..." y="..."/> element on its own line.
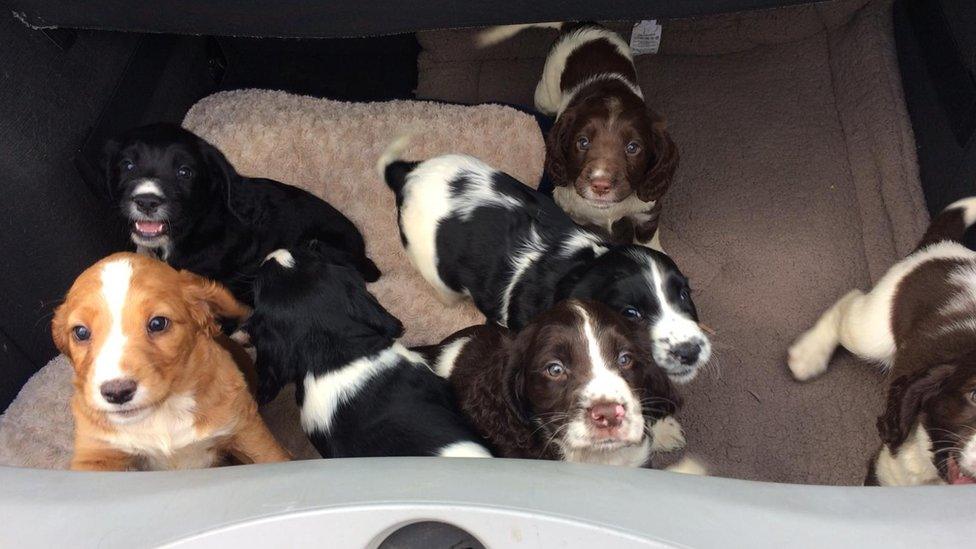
<point x="646" y="37"/>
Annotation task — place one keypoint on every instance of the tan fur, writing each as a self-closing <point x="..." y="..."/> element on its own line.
<point x="198" y="407"/>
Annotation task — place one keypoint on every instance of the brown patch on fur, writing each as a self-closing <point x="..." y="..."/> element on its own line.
<point x="182" y="359"/>
<point x="501" y="384"/>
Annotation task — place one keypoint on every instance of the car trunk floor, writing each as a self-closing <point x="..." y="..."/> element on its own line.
<point x="798" y="181"/>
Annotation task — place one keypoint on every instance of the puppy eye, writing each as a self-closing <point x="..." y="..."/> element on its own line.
<point x="972" y="396"/>
<point x="583" y="143"/>
<point x="685" y="294"/>
<point x="555" y="370"/>
<point x="81" y="333"/>
<point x="631" y="313"/>
<point x="633" y="147"/>
<point x="184" y="172"/>
<point x="157" y="324"/>
<point x="127" y="165"/>
<point x="624" y="360"/>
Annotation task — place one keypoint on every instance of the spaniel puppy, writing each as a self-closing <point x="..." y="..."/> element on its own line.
<point x="919" y="322"/>
<point x="361" y="393"/>
<point x="576" y="384"/>
<point x="187" y="205"/>
<point x="153" y="388"/>
<point x="473" y="231"/>
<point x="609" y="154"/>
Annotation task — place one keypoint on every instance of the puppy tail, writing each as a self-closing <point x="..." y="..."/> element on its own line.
<point x="391" y="168"/>
<point x="688" y="466"/>
<point x="954" y="224"/>
<point x="496" y="35"/>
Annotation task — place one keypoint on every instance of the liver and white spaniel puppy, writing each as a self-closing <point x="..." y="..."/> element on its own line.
<point x="919" y="322"/>
<point x="576" y="384"/>
<point x="609" y="155"/>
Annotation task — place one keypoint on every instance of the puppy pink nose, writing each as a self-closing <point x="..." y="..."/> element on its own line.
<point x="600" y="186"/>
<point x="607" y="415"/>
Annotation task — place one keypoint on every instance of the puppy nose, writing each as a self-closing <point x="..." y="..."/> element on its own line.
<point x="600" y="186"/>
<point x="607" y="415"/>
<point x="147" y="203"/>
<point x="118" y="391"/>
<point x="686" y="353"/>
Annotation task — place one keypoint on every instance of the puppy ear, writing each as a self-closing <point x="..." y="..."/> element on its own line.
<point x="906" y="397"/>
<point x="559" y="145"/>
<point x="659" y="175"/>
<point x="361" y="304"/>
<point x="58" y="328"/>
<point x="209" y="300"/>
<point x="108" y="160"/>
<point x="223" y="176"/>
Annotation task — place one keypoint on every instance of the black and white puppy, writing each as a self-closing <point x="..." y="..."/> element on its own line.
<point x="474" y="231"/>
<point x="186" y="204"/>
<point x="361" y="393"/>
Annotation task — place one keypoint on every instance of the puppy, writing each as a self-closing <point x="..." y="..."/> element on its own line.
<point x="360" y="392"/>
<point x="473" y="231"/>
<point x="153" y="389"/>
<point x="919" y="322"/>
<point x="609" y="155"/>
<point x="574" y="385"/>
<point x="187" y="205"/>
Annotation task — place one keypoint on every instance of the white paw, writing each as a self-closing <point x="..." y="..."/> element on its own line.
<point x="808" y="356"/>
<point x="688" y="466"/>
<point x="667" y="435"/>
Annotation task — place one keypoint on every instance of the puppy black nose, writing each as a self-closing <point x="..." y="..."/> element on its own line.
<point x="686" y="353"/>
<point x="147" y="203"/>
<point x="118" y="391"/>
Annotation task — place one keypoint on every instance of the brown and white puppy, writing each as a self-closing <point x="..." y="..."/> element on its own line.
<point x="153" y="387"/>
<point x="576" y="384"/>
<point x="919" y="322"/>
<point x="609" y="155"/>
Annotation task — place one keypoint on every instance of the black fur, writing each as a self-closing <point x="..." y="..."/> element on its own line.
<point x="220" y="224"/>
<point x="316" y="318"/>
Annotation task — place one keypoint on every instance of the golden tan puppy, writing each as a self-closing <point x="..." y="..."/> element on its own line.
<point x="153" y="388"/>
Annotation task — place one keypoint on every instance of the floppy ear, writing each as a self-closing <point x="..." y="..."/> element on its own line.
<point x="109" y="151"/>
<point x="223" y="176"/>
<point x="559" y="144"/>
<point x="363" y="306"/>
<point x="659" y="174"/>
<point x="58" y="329"/>
<point x="906" y="397"/>
<point x="209" y="300"/>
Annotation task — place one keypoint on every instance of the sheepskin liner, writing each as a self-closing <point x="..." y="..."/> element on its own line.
<point x="330" y="149"/>
<point x="798" y="181"/>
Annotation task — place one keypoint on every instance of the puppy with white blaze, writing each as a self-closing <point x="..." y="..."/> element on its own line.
<point x="919" y="323"/>
<point x="361" y="393"/>
<point x="473" y="231"/>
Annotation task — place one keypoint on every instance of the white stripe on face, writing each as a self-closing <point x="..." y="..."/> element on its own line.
<point x="672" y="328"/>
<point x="116" y="276"/>
<point x="148" y="186"/>
<point x="605" y="384"/>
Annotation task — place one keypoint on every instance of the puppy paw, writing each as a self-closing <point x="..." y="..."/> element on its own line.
<point x="808" y="356"/>
<point x="688" y="466"/>
<point x="667" y="435"/>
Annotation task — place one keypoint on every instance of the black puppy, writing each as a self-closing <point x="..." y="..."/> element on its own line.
<point x="473" y="231"/>
<point x="361" y="393"/>
<point x="187" y="205"/>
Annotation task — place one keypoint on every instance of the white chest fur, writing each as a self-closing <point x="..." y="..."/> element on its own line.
<point x="911" y="466"/>
<point x="584" y="212"/>
<point x="168" y="438"/>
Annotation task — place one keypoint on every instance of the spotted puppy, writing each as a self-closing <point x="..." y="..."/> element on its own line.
<point x="476" y="232"/>
<point x="919" y="322"/>
<point x="576" y="384"/>
<point x="154" y="389"/>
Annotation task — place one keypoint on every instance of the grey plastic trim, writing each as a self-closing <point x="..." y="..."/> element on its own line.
<point x="504" y="503"/>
